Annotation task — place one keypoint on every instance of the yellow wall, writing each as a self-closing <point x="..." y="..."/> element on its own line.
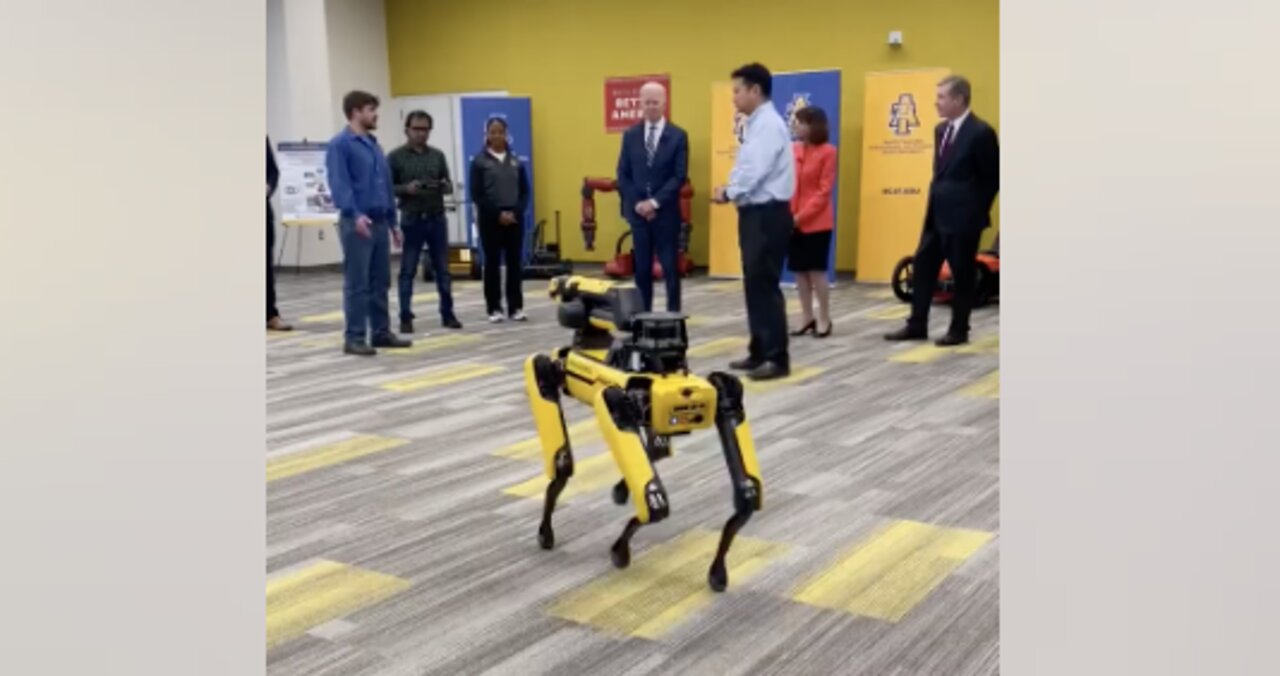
<point x="560" y="51"/>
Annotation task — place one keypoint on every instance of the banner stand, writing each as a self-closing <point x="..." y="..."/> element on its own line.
<point x="897" y="167"/>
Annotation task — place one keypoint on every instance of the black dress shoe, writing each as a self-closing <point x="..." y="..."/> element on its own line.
<point x="769" y="371"/>
<point x="406" y="326"/>
<point x="952" y="340"/>
<point x="450" y="323"/>
<point x="907" y="333"/>
<point x="391" y="341"/>
<point x="807" y="328"/>
<point x="824" y="334"/>
<point x="747" y="364"/>
<point x="359" y="349"/>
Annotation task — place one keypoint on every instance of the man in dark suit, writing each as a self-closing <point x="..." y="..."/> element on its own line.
<point x="966" y="179"/>
<point x="274" y="323"/>
<point x="652" y="167"/>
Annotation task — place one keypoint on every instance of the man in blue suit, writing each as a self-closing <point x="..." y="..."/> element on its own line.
<point x="652" y="167"/>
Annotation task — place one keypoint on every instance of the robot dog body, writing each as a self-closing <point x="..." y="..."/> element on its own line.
<point x="642" y="394"/>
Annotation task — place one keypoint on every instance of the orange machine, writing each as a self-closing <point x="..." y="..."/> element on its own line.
<point x="986" y="278"/>
<point x="623" y="264"/>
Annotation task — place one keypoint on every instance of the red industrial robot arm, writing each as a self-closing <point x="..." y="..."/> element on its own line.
<point x="591" y="185"/>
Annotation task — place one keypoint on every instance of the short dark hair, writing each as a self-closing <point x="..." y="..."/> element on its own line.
<point x="816" y="118"/>
<point x="756" y="74"/>
<point x="419" y="115"/>
<point x="356" y="100"/>
<point x="489" y="123"/>
<point x="958" y="85"/>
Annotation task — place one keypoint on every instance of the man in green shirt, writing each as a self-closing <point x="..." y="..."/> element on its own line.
<point x="421" y="178"/>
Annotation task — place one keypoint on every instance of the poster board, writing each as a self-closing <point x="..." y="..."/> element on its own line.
<point x="305" y="198"/>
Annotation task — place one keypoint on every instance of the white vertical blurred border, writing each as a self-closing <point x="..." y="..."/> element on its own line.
<point x="132" y="404"/>
<point x="1140" y="438"/>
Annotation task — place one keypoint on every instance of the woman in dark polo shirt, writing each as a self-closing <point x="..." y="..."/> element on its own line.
<point x="500" y="191"/>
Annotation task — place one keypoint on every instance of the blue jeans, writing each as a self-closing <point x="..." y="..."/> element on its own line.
<point x="366" y="272"/>
<point x="649" y="238"/>
<point x="433" y="232"/>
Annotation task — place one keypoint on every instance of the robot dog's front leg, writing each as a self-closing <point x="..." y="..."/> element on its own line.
<point x="620" y="421"/>
<point x="658" y="447"/>
<point x="543" y="379"/>
<point x="744" y="470"/>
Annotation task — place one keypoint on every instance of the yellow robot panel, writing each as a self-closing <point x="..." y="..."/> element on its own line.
<point x="681" y="403"/>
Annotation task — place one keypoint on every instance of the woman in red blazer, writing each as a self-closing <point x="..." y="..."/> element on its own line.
<point x="811" y="207"/>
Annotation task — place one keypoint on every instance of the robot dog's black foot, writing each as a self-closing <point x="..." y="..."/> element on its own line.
<point x="621" y="554"/>
<point x="620" y="493"/>
<point x="621" y="550"/>
<point x="546" y="536"/>
<point x="718" y="578"/>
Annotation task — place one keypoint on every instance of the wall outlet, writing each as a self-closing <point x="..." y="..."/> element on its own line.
<point x="895" y="38"/>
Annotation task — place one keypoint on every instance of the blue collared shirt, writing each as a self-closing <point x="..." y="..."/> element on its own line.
<point x="765" y="169"/>
<point x="360" y="178"/>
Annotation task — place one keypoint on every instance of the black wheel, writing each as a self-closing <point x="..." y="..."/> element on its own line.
<point x="982" y="284"/>
<point x="902" y="276"/>
<point x="620" y="493"/>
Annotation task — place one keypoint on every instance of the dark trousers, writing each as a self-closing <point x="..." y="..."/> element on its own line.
<point x="649" y="238"/>
<point x="431" y="231"/>
<point x="272" y="312"/>
<point x="502" y="244"/>
<point x="959" y="250"/>
<point x="763" y="234"/>
<point x="366" y="272"/>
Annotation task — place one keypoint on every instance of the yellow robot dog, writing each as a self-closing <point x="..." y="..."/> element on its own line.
<point x="642" y="393"/>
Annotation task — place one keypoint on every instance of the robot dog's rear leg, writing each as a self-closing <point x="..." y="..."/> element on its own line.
<point x="744" y="470"/>
<point x="620" y="421"/>
<point x="658" y="447"/>
<point x="543" y="380"/>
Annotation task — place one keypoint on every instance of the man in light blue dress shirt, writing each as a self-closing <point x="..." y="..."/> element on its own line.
<point x="761" y="184"/>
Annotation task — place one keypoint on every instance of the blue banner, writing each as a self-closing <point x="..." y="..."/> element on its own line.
<point x="821" y="88"/>
<point x="517" y="112"/>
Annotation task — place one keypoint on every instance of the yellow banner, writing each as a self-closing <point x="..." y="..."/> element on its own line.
<point x="724" y="259"/>
<point x="897" y="167"/>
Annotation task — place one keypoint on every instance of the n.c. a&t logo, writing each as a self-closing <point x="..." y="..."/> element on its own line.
<point x="798" y="103"/>
<point x="902" y="115"/>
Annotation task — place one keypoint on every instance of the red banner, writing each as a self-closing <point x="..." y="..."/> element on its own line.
<point x="622" y="100"/>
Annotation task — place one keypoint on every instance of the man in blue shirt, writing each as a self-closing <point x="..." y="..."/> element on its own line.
<point x="360" y="180"/>
<point x="761" y="184"/>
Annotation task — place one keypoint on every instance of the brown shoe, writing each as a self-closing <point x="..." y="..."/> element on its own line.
<point x="277" y="324"/>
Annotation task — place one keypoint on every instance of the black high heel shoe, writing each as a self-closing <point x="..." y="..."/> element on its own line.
<point x="807" y="328"/>
<point x="824" y="334"/>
